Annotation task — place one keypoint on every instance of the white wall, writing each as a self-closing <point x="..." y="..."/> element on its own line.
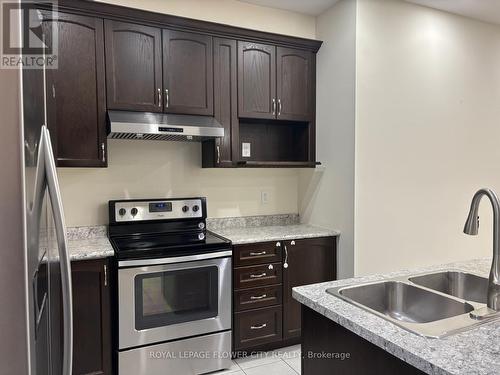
<point x="427" y="134"/>
<point x="166" y="169"/>
<point x="232" y="12"/>
<point x="155" y="169"/>
<point x="326" y="195"/>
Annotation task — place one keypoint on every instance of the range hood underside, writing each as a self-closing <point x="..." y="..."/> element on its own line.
<point x="162" y="127"/>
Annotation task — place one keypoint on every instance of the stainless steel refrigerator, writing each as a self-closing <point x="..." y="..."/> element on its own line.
<point x="36" y="325"/>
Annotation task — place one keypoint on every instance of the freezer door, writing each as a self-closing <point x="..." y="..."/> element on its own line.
<point x="62" y="264"/>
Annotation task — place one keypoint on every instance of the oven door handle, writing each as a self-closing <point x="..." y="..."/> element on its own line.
<point x="188" y="258"/>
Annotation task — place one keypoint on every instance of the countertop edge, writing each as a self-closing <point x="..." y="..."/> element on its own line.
<point x="249" y="235"/>
<point x="282" y="238"/>
<point x="396" y="350"/>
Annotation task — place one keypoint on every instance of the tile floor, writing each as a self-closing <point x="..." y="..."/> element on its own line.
<point x="285" y="361"/>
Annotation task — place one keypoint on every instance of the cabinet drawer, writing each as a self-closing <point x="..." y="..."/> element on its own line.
<point x="253" y="276"/>
<point x="257" y="253"/>
<point x="258" y="297"/>
<point x="257" y="327"/>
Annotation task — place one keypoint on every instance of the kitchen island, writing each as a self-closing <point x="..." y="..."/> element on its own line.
<point x="351" y="340"/>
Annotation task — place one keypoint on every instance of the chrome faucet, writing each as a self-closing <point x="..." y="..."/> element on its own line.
<point x="472" y="227"/>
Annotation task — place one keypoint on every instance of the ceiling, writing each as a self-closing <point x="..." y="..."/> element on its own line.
<point x="311" y="7"/>
<point x="484" y="10"/>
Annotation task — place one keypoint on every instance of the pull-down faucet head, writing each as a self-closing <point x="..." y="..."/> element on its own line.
<point x="471" y="226"/>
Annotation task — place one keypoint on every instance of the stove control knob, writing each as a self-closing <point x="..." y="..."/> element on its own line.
<point x="185" y="208"/>
<point x="134" y="211"/>
<point x="201" y="225"/>
<point x="122" y="211"/>
<point x="196" y="208"/>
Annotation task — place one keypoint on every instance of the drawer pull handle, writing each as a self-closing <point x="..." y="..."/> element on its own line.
<point x="253" y="276"/>
<point x="258" y="297"/>
<point x="257" y="254"/>
<point x="259" y="327"/>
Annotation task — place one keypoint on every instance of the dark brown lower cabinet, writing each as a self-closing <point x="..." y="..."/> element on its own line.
<point x="257" y="327"/>
<point x="91" y="317"/>
<point x="351" y="354"/>
<point x="265" y="314"/>
<point x="309" y="261"/>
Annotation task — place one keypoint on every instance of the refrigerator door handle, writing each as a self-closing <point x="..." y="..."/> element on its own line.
<point x="58" y="213"/>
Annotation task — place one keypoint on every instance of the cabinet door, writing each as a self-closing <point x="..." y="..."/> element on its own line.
<point x="187" y="73"/>
<point x="295" y="77"/>
<point x="91" y="318"/>
<point x="226" y="99"/>
<point x="133" y="67"/>
<point x="76" y="103"/>
<point x="309" y="261"/>
<point x="256" y="80"/>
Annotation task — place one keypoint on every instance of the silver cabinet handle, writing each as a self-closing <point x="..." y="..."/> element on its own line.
<point x="274" y="107"/>
<point x="278" y="244"/>
<point x="39" y="308"/>
<point x="159" y="98"/>
<point x="258" y="297"/>
<point x="218" y="154"/>
<point x="58" y="214"/>
<point x="105" y="267"/>
<point x="103" y="150"/>
<point x="259" y="327"/>
<point x="279" y="107"/>
<point x="258" y="254"/>
<point x="292" y="243"/>
<point x="285" y="263"/>
<point x="167" y="99"/>
<point x="253" y="276"/>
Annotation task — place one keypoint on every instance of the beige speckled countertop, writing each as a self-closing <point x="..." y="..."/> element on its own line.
<point x="89" y="243"/>
<point x="240" y="236"/>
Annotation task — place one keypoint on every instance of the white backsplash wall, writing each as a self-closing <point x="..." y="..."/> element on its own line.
<point x="154" y="169"/>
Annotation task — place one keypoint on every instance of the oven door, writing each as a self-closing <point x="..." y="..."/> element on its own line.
<point x="172" y="298"/>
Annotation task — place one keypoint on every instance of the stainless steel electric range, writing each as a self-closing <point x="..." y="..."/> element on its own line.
<point x="174" y="288"/>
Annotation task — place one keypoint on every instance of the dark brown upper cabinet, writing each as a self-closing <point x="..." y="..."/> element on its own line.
<point x="260" y="86"/>
<point x="295" y="84"/>
<point x="133" y="67"/>
<point x="219" y="152"/>
<point x="275" y="82"/>
<point x="256" y="80"/>
<point x="187" y="73"/>
<point x="76" y="97"/>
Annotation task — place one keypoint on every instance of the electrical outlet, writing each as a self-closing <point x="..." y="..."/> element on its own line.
<point x="245" y="150"/>
<point x="264" y="197"/>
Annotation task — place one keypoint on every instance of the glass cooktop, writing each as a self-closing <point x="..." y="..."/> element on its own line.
<point x="167" y="245"/>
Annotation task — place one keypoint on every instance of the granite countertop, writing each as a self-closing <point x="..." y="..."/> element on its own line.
<point x="251" y="229"/>
<point x="245" y="235"/>
<point x="476" y="351"/>
<point x="91" y="242"/>
<point x="88" y="243"/>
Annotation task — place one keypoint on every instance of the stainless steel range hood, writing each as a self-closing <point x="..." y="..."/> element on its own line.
<point x="162" y="126"/>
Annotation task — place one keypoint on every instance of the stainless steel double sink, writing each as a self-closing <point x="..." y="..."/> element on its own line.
<point x="435" y="304"/>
